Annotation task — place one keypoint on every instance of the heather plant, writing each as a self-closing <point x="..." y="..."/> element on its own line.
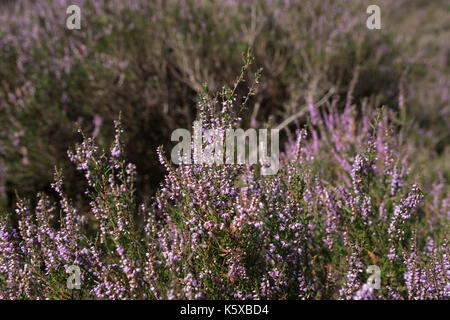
<point x="341" y="201"/>
<point x="149" y="59"/>
<point x="358" y="184"/>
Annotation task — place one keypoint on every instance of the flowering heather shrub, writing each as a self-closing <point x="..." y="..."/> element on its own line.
<point x="341" y="201"/>
<point x="148" y="59"/>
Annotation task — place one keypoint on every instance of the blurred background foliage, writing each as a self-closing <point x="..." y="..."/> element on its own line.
<point x="148" y="60"/>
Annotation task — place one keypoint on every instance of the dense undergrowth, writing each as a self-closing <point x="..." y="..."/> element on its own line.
<point x="363" y="170"/>
<point x="148" y="60"/>
<point x="341" y="201"/>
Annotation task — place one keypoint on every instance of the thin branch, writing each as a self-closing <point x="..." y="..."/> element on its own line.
<point x="304" y="109"/>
